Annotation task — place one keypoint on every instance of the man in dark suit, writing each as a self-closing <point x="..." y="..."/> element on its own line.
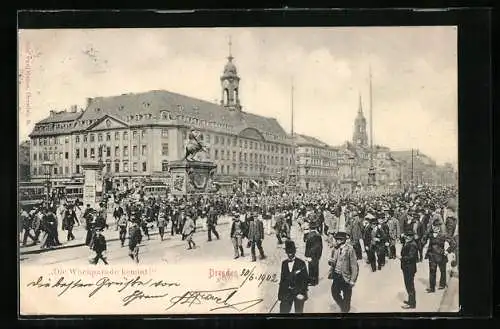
<point x="294" y="280"/>
<point x="314" y="249"/>
<point x="211" y="223"/>
<point x="437" y="255"/>
<point x="409" y="259"/>
<point x="255" y="236"/>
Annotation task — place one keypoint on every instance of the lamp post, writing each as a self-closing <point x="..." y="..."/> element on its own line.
<point x="47" y="166"/>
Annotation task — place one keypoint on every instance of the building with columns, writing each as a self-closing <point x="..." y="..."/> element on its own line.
<point x="136" y="135"/>
<point x="316" y="164"/>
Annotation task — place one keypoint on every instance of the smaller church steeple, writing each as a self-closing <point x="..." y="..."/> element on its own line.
<point x="360" y="107"/>
<point x="360" y="136"/>
<point x="230" y="83"/>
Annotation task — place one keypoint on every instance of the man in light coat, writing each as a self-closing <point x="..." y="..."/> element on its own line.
<point x="344" y="271"/>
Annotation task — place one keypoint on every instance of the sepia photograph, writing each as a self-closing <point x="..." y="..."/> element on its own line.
<point x="238" y="170"/>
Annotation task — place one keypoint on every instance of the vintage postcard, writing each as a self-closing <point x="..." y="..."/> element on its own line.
<point x="238" y="170"/>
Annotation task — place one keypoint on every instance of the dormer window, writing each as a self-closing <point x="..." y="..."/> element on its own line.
<point x="196" y="108"/>
<point x="180" y="107"/>
<point x="120" y="108"/>
<point x="146" y="104"/>
<point x="98" y="109"/>
<point x="148" y="116"/>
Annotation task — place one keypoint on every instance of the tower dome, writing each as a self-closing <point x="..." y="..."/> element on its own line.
<point x="230" y="84"/>
<point x="230" y="69"/>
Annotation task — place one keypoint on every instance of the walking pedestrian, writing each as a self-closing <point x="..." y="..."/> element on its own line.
<point x="188" y="231"/>
<point x="211" y="224"/>
<point x="135" y="237"/>
<point x="255" y="236"/>
<point x="161" y="223"/>
<point x="394" y="234"/>
<point x="343" y="272"/>
<point x="437" y="256"/>
<point x="69" y="220"/>
<point x="409" y="259"/>
<point x="99" y="247"/>
<point x="313" y="251"/>
<point x="293" y="282"/>
<point x="236" y="234"/>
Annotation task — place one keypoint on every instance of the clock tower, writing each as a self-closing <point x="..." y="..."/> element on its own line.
<point x="230" y="82"/>
<point x="360" y="137"/>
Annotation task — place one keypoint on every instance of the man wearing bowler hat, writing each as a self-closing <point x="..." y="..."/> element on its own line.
<point x="409" y="259"/>
<point x="294" y="281"/>
<point x="343" y="272"/>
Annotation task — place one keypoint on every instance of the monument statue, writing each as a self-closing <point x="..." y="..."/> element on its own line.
<point x="193" y="145"/>
<point x="190" y="175"/>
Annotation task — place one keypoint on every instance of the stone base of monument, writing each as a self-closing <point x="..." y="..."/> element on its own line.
<point x="191" y="177"/>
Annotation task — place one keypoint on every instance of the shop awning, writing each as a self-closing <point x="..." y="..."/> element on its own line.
<point x="272" y="183"/>
<point x="254" y="183"/>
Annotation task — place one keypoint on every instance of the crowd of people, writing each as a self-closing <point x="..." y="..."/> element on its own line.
<point x="361" y="227"/>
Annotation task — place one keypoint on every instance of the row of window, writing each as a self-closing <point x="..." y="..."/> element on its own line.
<point x="250" y="157"/>
<point x="317" y="162"/>
<point x="104" y="152"/>
<point x="235" y="169"/>
<point x="317" y="172"/>
<point x="316" y="151"/>
<point x="110" y="167"/>
<point x="92" y="137"/>
<point x="248" y="144"/>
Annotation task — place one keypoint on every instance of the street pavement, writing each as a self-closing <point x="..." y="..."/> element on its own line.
<point x="374" y="292"/>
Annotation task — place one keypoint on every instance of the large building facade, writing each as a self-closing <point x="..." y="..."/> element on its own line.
<point x="316" y="162"/>
<point x="137" y="135"/>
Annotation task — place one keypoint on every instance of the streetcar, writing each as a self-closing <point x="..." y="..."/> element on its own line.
<point x="154" y="189"/>
<point x="73" y="191"/>
<point x="31" y="193"/>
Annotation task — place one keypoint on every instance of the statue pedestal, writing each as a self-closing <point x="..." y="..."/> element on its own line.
<point x="92" y="171"/>
<point x="191" y="177"/>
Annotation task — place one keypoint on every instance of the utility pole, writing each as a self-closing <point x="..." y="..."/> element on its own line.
<point x="371" y="171"/>
<point x="294" y="173"/>
<point x="412" y="171"/>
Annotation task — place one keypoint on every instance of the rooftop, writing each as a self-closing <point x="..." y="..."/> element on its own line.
<point x="305" y="140"/>
<point x="160" y="106"/>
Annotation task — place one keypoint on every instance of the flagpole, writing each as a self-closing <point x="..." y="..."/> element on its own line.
<point x="372" y="169"/>
<point x="293" y="134"/>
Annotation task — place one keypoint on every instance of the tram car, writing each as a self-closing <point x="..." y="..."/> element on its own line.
<point x="73" y="191"/>
<point x="31" y="194"/>
<point x="155" y="189"/>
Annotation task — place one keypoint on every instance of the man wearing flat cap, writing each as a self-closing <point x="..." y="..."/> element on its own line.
<point x="344" y="271"/>
<point x="409" y="259"/>
<point x="294" y="281"/>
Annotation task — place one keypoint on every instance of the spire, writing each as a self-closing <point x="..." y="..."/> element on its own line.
<point x="230" y="57"/>
<point x="360" y="107"/>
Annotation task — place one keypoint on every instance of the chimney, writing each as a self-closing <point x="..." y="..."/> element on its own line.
<point x="52" y="113"/>
<point x="73" y="108"/>
<point x="89" y="101"/>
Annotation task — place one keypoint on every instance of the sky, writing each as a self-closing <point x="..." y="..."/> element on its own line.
<point x="413" y="69"/>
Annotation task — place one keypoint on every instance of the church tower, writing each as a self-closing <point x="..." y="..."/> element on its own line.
<point x="360" y="137"/>
<point x="230" y="82"/>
